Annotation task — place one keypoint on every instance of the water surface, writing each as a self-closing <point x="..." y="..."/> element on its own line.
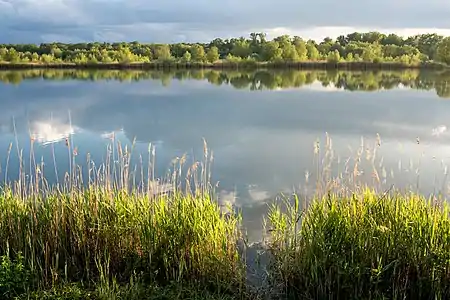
<point x="261" y="126"/>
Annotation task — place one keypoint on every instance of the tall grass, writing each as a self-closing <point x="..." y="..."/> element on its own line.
<point x="110" y="228"/>
<point x="363" y="246"/>
<point x="359" y="239"/>
<point x="119" y="230"/>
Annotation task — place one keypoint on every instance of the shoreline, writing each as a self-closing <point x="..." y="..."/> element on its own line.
<point x="319" y="65"/>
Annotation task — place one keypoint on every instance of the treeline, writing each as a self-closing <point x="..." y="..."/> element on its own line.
<point x="256" y="80"/>
<point x="372" y="47"/>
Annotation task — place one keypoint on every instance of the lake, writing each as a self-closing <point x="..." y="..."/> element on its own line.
<point x="261" y="126"/>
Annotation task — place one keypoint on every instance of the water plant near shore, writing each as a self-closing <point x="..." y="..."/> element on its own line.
<point x="105" y="230"/>
<point x="362" y="246"/>
<point x="113" y="235"/>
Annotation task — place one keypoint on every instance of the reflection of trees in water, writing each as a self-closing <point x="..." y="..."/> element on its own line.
<point x="258" y="80"/>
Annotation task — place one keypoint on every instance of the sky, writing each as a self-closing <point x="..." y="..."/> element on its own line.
<point x="31" y="21"/>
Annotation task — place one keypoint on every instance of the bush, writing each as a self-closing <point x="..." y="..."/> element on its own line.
<point x="14" y="277"/>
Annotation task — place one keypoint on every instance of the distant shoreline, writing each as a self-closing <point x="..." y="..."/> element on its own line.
<point x="316" y="65"/>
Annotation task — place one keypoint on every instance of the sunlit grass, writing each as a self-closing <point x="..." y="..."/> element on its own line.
<point x="106" y="228"/>
<point x="363" y="246"/>
<point x="355" y="238"/>
<point x="111" y="235"/>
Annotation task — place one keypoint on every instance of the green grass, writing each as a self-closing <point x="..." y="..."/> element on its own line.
<point x="132" y="291"/>
<point x="108" y="237"/>
<point x="88" y="234"/>
<point x="109" y="232"/>
<point x="364" y="246"/>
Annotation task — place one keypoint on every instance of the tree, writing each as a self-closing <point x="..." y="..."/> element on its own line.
<point x="126" y="56"/>
<point x="373" y="37"/>
<point x="198" y="53"/>
<point x="162" y="53"/>
<point x="290" y="53"/>
<point x="34" y="57"/>
<point x="313" y="53"/>
<point x="213" y="54"/>
<point x="368" y="55"/>
<point x="325" y="47"/>
<point x="369" y="46"/>
<point x="393" y="39"/>
<point x="104" y="56"/>
<point x="3" y="53"/>
<point x="241" y="48"/>
<point x="372" y="53"/>
<point x="271" y="51"/>
<point x="300" y="46"/>
<point x="186" y="57"/>
<point x="334" y="57"/>
<point x="443" y="51"/>
<point x="13" y="56"/>
<point x="283" y="40"/>
<point x="342" y="40"/>
<point x="354" y="37"/>
<point x="428" y="44"/>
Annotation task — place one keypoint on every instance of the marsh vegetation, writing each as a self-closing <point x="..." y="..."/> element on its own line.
<point x="110" y="236"/>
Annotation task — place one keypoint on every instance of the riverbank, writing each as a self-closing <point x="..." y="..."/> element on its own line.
<point x="310" y="65"/>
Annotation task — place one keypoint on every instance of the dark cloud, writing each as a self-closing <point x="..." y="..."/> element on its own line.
<point x="170" y="20"/>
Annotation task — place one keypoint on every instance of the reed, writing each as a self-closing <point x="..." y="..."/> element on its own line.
<point x="109" y="228"/>
<point x="116" y="231"/>
<point x="363" y="246"/>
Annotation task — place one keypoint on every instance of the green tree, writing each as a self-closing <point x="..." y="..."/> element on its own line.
<point x="34" y="57"/>
<point x="393" y="39"/>
<point x="443" y="51"/>
<point x="241" y="48"/>
<point x="198" y="53"/>
<point x="300" y="46"/>
<point x="213" y="54"/>
<point x="3" y="53"/>
<point x="372" y="53"/>
<point x="372" y="37"/>
<point x="368" y="55"/>
<point x="162" y="53"/>
<point x="290" y="53"/>
<point x="104" y="56"/>
<point x="12" y="55"/>
<point x="126" y="56"/>
<point x="186" y="57"/>
<point x="271" y="51"/>
<point x="334" y="57"/>
<point x="313" y="53"/>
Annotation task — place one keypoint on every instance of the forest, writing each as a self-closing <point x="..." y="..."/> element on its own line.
<point x="370" y="47"/>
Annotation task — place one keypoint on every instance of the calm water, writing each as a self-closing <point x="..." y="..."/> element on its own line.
<point x="261" y="126"/>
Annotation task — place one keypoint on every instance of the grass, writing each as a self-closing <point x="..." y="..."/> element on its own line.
<point x="104" y="231"/>
<point x="110" y="236"/>
<point x="364" y="246"/>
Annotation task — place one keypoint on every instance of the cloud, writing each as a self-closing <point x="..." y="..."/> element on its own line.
<point x="50" y="132"/>
<point x="201" y="20"/>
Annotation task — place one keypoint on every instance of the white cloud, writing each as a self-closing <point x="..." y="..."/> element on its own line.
<point x="50" y="132"/>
